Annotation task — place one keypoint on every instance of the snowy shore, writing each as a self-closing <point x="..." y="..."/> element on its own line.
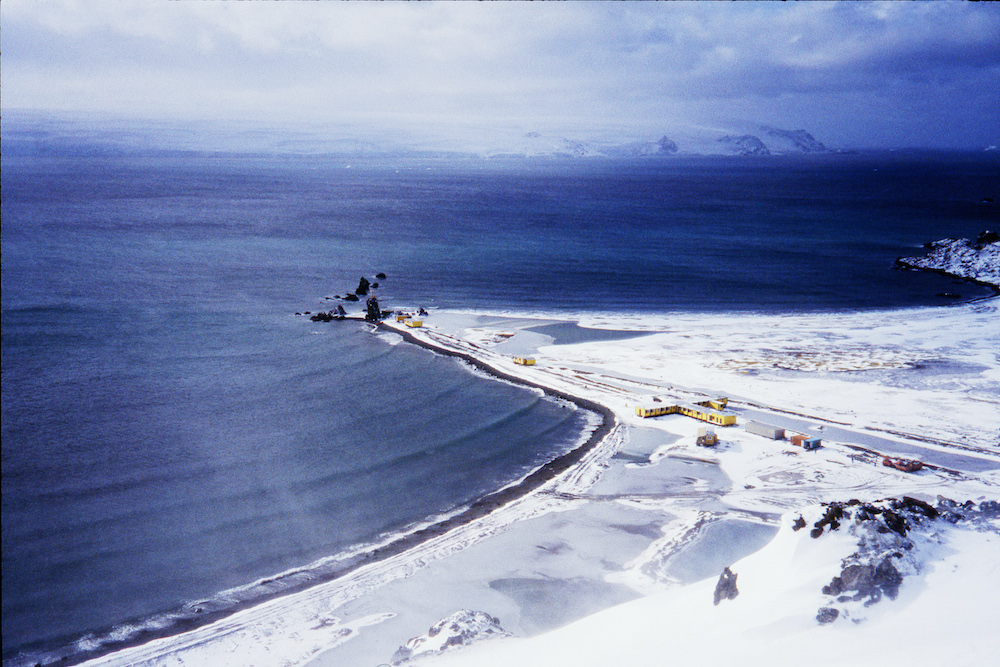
<point x="978" y="261"/>
<point x="601" y="559"/>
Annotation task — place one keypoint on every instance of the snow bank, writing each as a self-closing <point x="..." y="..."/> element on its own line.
<point x="647" y="513"/>
<point x="942" y="612"/>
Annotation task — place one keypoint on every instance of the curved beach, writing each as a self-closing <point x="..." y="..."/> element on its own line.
<point x="637" y="510"/>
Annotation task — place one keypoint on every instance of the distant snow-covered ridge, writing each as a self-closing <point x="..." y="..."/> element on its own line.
<point x="979" y="261"/>
<point x="770" y="141"/>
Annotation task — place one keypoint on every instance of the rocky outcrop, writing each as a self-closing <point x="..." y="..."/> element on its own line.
<point x="372" y="311"/>
<point x="827" y="615"/>
<point x="460" y="629"/>
<point x="889" y="534"/>
<point x="746" y="144"/>
<point x="978" y="261"/>
<point x="866" y="581"/>
<point x="363" y="286"/>
<point x="726" y="589"/>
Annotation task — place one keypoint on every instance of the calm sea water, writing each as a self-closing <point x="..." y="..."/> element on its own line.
<point x="171" y="430"/>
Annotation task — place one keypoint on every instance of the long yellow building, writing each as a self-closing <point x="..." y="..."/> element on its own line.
<point x="699" y="411"/>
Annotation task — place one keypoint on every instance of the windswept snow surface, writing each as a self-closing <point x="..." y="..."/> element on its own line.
<point x="616" y="560"/>
<point x="945" y="613"/>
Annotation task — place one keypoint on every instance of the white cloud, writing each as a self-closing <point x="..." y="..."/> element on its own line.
<point x="629" y="61"/>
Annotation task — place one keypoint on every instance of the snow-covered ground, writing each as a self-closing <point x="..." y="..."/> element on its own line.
<point x="617" y="560"/>
<point x="976" y="260"/>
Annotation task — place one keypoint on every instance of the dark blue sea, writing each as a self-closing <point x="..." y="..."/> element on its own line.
<point x="174" y="435"/>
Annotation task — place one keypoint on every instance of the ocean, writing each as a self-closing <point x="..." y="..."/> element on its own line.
<point x="175" y="436"/>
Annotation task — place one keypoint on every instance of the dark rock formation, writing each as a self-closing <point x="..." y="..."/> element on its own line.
<point x="916" y="505"/>
<point x="985" y="238"/>
<point x="746" y="144"/>
<point x="363" y="285"/>
<point x="373" y="313"/>
<point x="351" y="297"/>
<point x="666" y="145"/>
<point x="827" y="615"/>
<point x="895" y="522"/>
<point x="380" y="275"/>
<point x="799" y="524"/>
<point x="833" y="513"/>
<point x="867" y="581"/>
<point x="726" y="589"/>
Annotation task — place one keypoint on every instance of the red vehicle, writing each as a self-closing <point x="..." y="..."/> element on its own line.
<point x="906" y="465"/>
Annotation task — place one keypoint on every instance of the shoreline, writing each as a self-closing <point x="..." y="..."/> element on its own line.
<point x="401" y="544"/>
<point x="445" y="554"/>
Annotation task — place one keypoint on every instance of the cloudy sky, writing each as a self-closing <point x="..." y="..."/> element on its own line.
<point x="854" y="74"/>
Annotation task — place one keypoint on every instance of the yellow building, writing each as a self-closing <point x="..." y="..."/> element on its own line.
<point x="414" y="323"/>
<point x="717" y="403"/>
<point x="524" y="361"/>
<point x="701" y="412"/>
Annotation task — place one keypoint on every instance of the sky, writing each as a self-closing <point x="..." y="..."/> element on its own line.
<point x="865" y="74"/>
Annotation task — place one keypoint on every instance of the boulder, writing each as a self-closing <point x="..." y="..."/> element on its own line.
<point x="726" y="589"/>
<point x="895" y="522"/>
<point x="827" y="615"/>
<point x="917" y="505"/>
<point x="460" y="629"/>
<point x="867" y="581"/>
<point x="372" y="314"/>
<point x="363" y="285"/>
<point x="985" y="238"/>
<point x="834" y="512"/>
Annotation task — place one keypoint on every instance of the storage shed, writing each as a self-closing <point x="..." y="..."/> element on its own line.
<point x="766" y="430"/>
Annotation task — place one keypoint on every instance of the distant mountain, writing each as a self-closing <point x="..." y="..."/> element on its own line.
<point x="664" y="146"/>
<point x="746" y="144"/>
<point x="536" y="144"/>
<point x="30" y="133"/>
<point x="792" y="141"/>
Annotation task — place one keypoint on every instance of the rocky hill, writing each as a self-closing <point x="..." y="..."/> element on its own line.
<point x="792" y="141"/>
<point x="978" y="261"/>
